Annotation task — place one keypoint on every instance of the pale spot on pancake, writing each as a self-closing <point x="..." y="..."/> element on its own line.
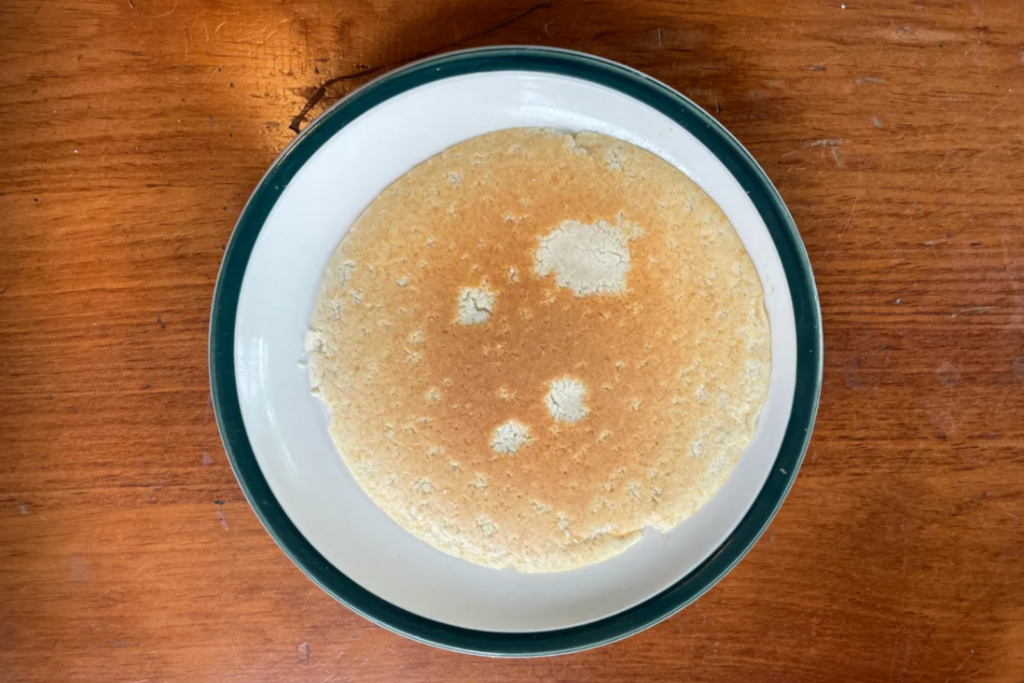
<point x="588" y="259"/>
<point x="563" y="522"/>
<point x="615" y="158"/>
<point x="345" y="270"/>
<point x="475" y="304"/>
<point x="314" y="341"/>
<point x="487" y="527"/>
<point x="403" y="281"/>
<point x="565" y="399"/>
<point x="510" y="437"/>
<point x="602" y="530"/>
<point x="432" y="395"/>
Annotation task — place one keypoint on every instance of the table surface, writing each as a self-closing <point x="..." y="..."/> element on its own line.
<point x="131" y="134"/>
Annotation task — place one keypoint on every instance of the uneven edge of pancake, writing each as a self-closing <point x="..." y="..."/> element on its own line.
<point x="507" y="472"/>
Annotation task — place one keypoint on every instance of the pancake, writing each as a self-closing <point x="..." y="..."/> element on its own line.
<point x="535" y="344"/>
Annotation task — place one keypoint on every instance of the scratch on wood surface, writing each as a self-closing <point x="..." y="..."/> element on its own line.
<point x="969" y="655"/>
<point x="167" y="13"/>
<point x="996" y="107"/>
<point x="950" y="152"/>
<point x="549" y="24"/>
<point x="145" y="565"/>
<point x="33" y="17"/>
<point x="266" y="39"/>
<point x="963" y="168"/>
<point x="903" y="530"/>
<point x="974" y="310"/>
<point x="825" y="142"/>
<point x="849" y="219"/>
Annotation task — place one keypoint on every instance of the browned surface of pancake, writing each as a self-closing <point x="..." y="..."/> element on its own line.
<point x="675" y="367"/>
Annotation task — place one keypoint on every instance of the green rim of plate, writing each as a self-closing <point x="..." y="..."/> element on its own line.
<point x="686" y="114"/>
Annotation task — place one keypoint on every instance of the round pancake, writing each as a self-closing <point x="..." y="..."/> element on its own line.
<point x="535" y="344"/>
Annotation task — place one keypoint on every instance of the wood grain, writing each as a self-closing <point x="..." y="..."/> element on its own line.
<point x="132" y="133"/>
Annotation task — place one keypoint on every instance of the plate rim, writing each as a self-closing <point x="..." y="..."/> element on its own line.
<point x="685" y="113"/>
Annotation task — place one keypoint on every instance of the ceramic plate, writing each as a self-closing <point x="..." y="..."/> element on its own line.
<point x="275" y="430"/>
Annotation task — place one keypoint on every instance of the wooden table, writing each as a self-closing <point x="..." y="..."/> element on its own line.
<point x="131" y="134"/>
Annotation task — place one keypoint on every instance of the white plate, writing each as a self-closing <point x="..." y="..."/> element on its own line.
<point x="287" y="426"/>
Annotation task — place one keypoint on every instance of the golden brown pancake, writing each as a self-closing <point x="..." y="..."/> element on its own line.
<point x="535" y="344"/>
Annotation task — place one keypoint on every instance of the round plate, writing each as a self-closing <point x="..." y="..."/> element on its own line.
<point x="275" y="431"/>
